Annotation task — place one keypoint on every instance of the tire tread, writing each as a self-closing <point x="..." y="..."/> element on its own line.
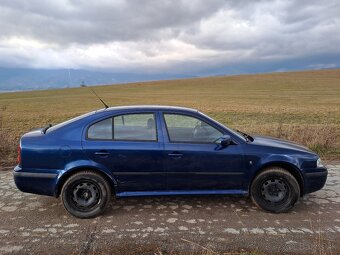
<point x="83" y="173"/>
<point x="281" y="171"/>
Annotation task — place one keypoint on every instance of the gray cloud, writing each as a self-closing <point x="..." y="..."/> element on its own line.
<point x="87" y="22"/>
<point x="166" y="35"/>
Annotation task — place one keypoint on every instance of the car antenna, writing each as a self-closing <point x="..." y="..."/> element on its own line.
<point x="105" y="105"/>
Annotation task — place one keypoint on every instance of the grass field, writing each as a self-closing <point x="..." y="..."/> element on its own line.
<point x="299" y="106"/>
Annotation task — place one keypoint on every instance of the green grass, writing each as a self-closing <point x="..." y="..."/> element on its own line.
<point x="300" y="106"/>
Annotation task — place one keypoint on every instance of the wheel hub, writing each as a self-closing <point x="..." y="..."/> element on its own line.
<point x="274" y="190"/>
<point x="85" y="194"/>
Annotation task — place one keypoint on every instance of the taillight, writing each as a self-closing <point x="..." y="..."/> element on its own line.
<point x="19" y="155"/>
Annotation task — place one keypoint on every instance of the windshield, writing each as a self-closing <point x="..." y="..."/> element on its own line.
<point x="229" y="129"/>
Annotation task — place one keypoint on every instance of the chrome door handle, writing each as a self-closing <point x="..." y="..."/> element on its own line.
<point x="102" y="153"/>
<point x="175" y="155"/>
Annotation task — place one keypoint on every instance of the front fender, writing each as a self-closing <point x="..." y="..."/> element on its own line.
<point x="290" y="163"/>
<point x="278" y="159"/>
<point x="76" y="166"/>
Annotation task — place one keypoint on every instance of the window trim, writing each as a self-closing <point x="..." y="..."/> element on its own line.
<point x="122" y="140"/>
<point x="131" y="140"/>
<point x="192" y="116"/>
<point x="94" y="123"/>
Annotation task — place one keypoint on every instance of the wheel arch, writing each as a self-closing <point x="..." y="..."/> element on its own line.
<point x="63" y="177"/>
<point x="292" y="169"/>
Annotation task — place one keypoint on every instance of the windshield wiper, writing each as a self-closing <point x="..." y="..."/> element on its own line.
<point x="45" y="128"/>
<point x="246" y="136"/>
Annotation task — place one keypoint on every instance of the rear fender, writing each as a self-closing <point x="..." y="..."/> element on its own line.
<point x="80" y="165"/>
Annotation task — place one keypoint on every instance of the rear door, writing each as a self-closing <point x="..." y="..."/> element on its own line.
<point x="131" y="146"/>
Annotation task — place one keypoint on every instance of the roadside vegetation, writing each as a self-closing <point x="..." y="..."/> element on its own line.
<point x="300" y="106"/>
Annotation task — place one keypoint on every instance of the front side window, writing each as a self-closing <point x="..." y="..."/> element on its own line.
<point x="183" y="128"/>
<point x="101" y="130"/>
<point x="135" y="127"/>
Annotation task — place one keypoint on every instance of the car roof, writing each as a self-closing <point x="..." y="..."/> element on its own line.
<point x="147" y="108"/>
<point x="119" y="109"/>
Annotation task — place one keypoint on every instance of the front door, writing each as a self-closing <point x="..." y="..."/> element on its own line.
<point x="193" y="161"/>
<point x="128" y="145"/>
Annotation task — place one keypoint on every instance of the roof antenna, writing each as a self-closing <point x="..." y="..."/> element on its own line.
<point x="105" y="105"/>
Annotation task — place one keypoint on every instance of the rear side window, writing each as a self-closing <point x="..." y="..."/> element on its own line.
<point x="101" y="130"/>
<point x="135" y="127"/>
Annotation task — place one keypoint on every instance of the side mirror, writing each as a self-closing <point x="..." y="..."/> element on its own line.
<point x="224" y="141"/>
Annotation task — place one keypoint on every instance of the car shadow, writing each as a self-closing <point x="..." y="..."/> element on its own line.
<point x="186" y="204"/>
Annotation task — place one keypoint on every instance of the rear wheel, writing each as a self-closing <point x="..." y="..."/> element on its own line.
<point x="86" y="194"/>
<point x="275" y="190"/>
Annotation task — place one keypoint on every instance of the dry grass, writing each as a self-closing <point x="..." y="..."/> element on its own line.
<point x="299" y="106"/>
<point x="7" y="154"/>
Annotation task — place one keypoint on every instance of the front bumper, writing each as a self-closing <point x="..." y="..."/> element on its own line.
<point x="315" y="179"/>
<point x="37" y="182"/>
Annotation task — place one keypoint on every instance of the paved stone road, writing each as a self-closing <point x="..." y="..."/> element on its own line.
<point x="39" y="225"/>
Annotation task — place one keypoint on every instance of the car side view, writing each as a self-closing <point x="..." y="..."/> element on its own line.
<point x="161" y="150"/>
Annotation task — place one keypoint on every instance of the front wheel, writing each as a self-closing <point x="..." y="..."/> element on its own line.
<point x="275" y="190"/>
<point x="86" y="194"/>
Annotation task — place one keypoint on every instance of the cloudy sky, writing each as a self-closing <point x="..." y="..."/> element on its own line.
<point x="198" y="37"/>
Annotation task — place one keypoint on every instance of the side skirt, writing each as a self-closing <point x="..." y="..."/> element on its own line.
<point x="181" y="192"/>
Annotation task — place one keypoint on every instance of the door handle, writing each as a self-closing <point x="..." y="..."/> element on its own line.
<point x="102" y="153"/>
<point x="175" y="155"/>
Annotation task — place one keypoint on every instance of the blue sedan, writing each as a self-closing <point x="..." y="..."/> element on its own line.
<point x="161" y="150"/>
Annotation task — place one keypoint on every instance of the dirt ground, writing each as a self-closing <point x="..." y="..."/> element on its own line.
<point x="170" y="225"/>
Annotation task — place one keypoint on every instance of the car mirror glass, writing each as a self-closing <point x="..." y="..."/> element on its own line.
<point x="224" y="141"/>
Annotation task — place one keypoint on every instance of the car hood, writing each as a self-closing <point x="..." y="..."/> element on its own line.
<point x="280" y="143"/>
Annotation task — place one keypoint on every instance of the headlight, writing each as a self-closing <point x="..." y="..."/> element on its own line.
<point x="319" y="163"/>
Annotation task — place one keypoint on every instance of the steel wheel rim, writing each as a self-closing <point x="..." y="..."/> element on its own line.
<point x="85" y="195"/>
<point x="275" y="190"/>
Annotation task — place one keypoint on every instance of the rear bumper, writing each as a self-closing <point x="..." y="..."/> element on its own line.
<point x="37" y="182"/>
<point x="315" y="180"/>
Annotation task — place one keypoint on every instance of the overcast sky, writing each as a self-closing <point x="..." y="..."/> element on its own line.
<point x="187" y="37"/>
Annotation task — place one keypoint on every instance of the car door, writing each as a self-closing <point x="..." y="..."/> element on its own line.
<point x="193" y="161"/>
<point x="130" y="145"/>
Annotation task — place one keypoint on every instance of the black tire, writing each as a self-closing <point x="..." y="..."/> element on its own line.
<point x="275" y="190"/>
<point x="86" y="194"/>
